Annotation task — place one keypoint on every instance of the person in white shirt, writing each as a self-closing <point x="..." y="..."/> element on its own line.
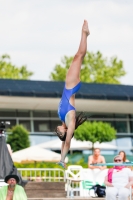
<point x="118" y="181"/>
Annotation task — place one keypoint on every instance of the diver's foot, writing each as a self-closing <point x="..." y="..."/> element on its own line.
<point x="62" y="164"/>
<point x="85" y="28"/>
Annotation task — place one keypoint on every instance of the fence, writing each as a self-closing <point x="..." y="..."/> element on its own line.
<point x="45" y="174"/>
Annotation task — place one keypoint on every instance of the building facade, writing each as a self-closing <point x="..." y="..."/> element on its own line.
<point x="34" y="105"/>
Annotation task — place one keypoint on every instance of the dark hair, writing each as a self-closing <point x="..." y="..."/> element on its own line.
<point x="124" y="158"/>
<point x="80" y="119"/>
<point x="12" y="176"/>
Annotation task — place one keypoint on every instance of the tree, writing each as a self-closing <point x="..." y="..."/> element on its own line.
<point x="8" y="70"/>
<point x="95" y="132"/>
<point x="95" y="69"/>
<point x="18" y="138"/>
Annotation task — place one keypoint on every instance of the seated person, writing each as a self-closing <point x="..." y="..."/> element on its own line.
<point x="123" y="155"/>
<point x="12" y="191"/>
<point x="96" y="158"/>
<point x="118" y="181"/>
<point x="124" y="159"/>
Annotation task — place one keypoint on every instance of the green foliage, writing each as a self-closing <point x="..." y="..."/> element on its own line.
<point x="82" y="163"/>
<point x="60" y="71"/>
<point x="38" y="165"/>
<point x="77" y="159"/>
<point x="42" y="165"/>
<point x="10" y="71"/>
<point x="18" y="138"/>
<point x="95" y="131"/>
<point x="95" y="69"/>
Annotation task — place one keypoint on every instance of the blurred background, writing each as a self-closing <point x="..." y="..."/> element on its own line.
<point x="38" y="40"/>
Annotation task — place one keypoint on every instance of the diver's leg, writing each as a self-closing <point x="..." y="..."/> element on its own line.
<point x="62" y="146"/>
<point x="66" y="146"/>
<point x="61" y="162"/>
<point x="73" y="74"/>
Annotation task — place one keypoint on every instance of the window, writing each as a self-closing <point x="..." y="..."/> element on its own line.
<point x="131" y="124"/>
<point x="4" y="113"/>
<point x="120" y="116"/>
<point x="131" y="116"/>
<point x="22" y="113"/>
<point x="54" y="124"/>
<point x="100" y="115"/>
<point x="12" y="123"/>
<point x="26" y="124"/>
<point x="121" y="126"/>
<point x="41" y="126"/>
<point x="110" y="122"/>
<point x="41" y="113"/>
<point x="53" y="114"/>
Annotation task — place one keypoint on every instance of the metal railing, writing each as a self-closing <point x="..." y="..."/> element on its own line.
<point x="42" y="174"/>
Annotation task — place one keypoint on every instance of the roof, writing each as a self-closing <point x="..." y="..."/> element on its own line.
<point x="53" y="89"/>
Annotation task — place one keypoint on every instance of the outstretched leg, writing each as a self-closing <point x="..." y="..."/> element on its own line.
<point x="73" y="75"/>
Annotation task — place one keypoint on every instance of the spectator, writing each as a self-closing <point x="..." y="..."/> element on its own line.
<point x="6" y="162"/>
<point x="123" y="155"/>
<point x="124" y="159"/>
<point x="118" y="181"/>
<point x="12" y="191"/>
<point x="96" y="158"/>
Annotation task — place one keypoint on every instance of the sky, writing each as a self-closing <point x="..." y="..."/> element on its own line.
<point x="38" y="33"/>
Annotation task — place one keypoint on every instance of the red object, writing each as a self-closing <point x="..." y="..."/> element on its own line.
<point x="110" y="172"/>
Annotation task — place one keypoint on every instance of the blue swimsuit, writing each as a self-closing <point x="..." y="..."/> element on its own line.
<point x="64" y="105"/>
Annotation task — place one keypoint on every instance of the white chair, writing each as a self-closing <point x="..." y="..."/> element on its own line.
<point x="87" y="183"/>
<point x="73" y="179"/>
<point x="100" y="176"/>
<point x="90" y="178"/>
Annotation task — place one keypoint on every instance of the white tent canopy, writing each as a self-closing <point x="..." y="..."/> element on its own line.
<point x="36" y="154"/>
<point x="76" y="145"/>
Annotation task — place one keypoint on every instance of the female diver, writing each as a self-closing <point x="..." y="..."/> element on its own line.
<point x="66" y="109"/>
